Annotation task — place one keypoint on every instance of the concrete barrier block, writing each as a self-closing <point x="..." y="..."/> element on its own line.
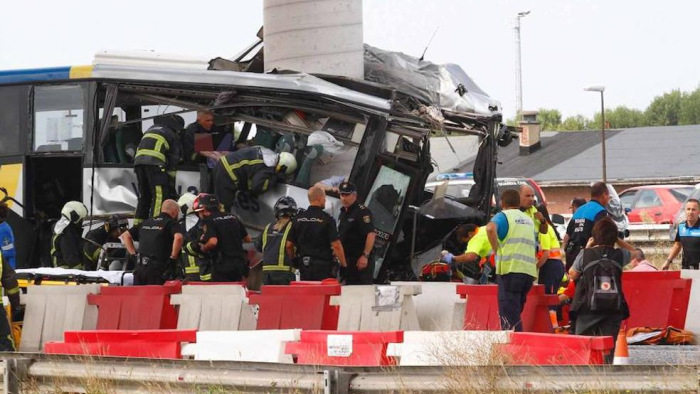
<point x="438" y="306"/>
<point x="448" y="348"/>
<point x="52" y="310"/>
<point x="692" y="320"/>
<point x="214" y="308"/>
<point x="377" y="308"/>
<point x="250" y="346"/>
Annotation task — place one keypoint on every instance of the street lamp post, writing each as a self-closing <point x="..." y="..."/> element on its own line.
<point x="518" y="69"/>
<point x="601" y="89"/>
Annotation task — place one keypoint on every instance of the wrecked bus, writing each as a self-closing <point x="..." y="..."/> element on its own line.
<point x="70" y="134"/>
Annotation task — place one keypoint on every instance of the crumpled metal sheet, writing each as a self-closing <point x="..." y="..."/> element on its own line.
<point x="435" y="84"/>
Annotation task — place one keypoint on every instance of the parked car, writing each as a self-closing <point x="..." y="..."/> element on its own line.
<point x="460" y="183"/>
<point x="656" y="204"/>
<point x="680" y="215"/>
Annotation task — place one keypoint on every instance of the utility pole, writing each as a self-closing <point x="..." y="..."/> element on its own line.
<point x="518" y="69"/>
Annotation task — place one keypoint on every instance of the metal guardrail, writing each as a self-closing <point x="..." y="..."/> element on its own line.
<point x="653" y="239"/>
<point x="41" y="373"/>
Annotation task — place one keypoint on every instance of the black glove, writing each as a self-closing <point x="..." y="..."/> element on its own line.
<point x="18" y="313"/>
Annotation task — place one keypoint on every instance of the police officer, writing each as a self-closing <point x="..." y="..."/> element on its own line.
<point x="96" y="238"/>
<point x="192" y="261"/>
<point x="581" y="224"/>
<point x="687" y="238"/>
<point x="250" y="170"/>
<point x="67" y="241"/>
<point x="160" y="240"/>
<point x="156" y="159"/>
<point x="357" y="235"/>
<point x="272" y="242"/>
<point x="223" y="236"/>
<point x="511" y="234"/>
<point x="8" y="278"/>
<point x="315" y="236"/>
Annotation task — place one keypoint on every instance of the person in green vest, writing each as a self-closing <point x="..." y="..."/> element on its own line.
<point x="511" y="234"/>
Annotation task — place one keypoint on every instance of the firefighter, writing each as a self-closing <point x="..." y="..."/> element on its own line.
<point x="192" y="259"/>
<point x="277" y="264"/>
<point x="223" y="237"/>
<point x="156" y="159"/>
<point x="8" y="278"/>
<point x="160" y="241"/>
<point x="250" y="170"/>
<point x="109" y="233"/>
<point x="67" y="241"/>
<point x="7" y="237"/>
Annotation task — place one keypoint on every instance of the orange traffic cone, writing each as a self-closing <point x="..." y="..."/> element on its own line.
<point x="622" y="355"/>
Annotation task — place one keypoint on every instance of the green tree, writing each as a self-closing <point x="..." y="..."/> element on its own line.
<point x="549" y="119"/>
<point x="665" y="110"/>
<point x="574" y="123"/>
<point x="620" y="118"/>
<point x="690" y="108"/>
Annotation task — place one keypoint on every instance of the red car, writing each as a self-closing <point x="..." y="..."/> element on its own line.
<point x="654" y="204"/>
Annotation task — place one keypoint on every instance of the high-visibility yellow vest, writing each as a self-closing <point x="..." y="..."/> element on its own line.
<point x="516" y="252"/>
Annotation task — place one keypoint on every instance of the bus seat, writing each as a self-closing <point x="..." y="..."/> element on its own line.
<point x="311" y="155"/>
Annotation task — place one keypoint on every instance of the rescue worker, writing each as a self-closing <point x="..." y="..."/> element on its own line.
<point x="315" y="237"/>
<point x="96" y="238"/>
<point x="511" y="234"/>
<point x="250" y="170"/>
<point x="8" y="278"/>
<point x="160" y="240"/>
<point x="7" y="237"/>
<point x="687" y="238"/>
<point x="357" y="236"/>
<point x="581" y="224"/>
<point x="191" y="261"/>
<point x="272" y="242"/>
<point x="204" y="124"/>
<point x="156" y="159"/>
<point x="527" y="205"/>
<point x="67" y="241"/>
<point x="549" y="264"/>
<point x="471" y="262"/>
<point x="223" y="237"/>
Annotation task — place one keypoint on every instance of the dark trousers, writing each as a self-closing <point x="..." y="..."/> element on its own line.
<point x="278" y="278"/>
<point x="550" y="275"/>
<point x="316" y="270"/>
<point x="512" y="293"/>
<point x="352" y="276"/>
<point x="224" y="187"/>
<point x="591" y="324"/>
<point x="155" y="186"/>
<point x="7" y="344"/>
<point x="151" y="274"/>
<point x="229" y="271"/>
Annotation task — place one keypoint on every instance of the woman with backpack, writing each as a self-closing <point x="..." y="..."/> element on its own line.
<point x="599" y="303"/>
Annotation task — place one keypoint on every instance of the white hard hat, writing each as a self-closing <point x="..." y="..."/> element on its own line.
<point x="287" y="163"/>
<point x="185" y="203"/>
<point x="75" y="211"/>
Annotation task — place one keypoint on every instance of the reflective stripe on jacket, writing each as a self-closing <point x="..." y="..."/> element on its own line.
<point x="273" y="247"/>
<point x="516" y="252"/>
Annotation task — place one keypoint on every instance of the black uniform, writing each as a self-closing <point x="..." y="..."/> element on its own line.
<point x="8" y="278"/>
<point x="580" y="228"/>
<point x="66" y="247"/>
<point x="354" y="224"/>
<point x="91" y="252"/>
<point x="243" y="170"/>
<point x="313" y="232"/>
<point x="156" y="159"/>
<point x="277" y="264"/>
<point x="230" y="263"/>
<point x="155" y="236"/>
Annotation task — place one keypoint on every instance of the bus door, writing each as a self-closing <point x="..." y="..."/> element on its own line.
<point x="57" y="145"/>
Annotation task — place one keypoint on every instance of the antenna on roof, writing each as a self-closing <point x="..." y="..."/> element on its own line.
<point x="429" y="42"/>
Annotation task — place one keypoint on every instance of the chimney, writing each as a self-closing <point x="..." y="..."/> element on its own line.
<point x="530" y="136"/>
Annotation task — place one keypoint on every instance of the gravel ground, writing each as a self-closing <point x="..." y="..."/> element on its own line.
<point x="664" y="355"/>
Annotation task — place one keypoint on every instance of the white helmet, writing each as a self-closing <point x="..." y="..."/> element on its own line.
<point x="185" y="203"/>
<point x="286" y="163"/>
<point x="75" y="211"/>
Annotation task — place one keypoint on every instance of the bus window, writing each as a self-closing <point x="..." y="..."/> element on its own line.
<point x="58" y="118"/>
<point x="386" y="198"/>
<point x="14" y="105"/>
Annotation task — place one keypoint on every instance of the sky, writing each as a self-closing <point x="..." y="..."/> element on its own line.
<point x="636" y="49"/>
